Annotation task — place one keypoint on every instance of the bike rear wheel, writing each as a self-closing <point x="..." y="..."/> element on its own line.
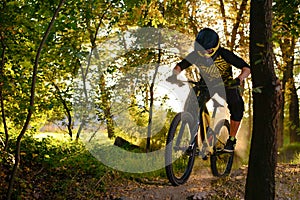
<point x="220" y="161"/>
<point x="180" y="149"/>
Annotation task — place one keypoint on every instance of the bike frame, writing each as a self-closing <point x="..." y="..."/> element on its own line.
<point x="204" y="121"/>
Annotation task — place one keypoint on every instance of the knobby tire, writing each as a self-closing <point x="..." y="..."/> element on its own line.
<point x="179" y="156"/>
<point x="221" y="162"/>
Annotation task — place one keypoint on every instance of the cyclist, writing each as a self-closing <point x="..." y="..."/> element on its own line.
<point x="213" y="61"/>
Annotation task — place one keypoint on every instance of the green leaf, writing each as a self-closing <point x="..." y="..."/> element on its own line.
<point x="260" y="45"/>
<point x="257" y="89"/>
<point x="258" y="62"/>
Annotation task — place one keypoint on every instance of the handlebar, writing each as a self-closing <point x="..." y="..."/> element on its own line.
<point x="202" y="87"/>
<point x="235" y="83"/>
<point x="173" y="79"/>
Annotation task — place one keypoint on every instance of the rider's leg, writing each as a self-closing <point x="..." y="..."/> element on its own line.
<point x="236" y="108"/>
<point x="230" y="143"/>
<point x="234" y="127"/>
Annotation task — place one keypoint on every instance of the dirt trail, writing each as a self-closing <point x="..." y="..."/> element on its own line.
<point x="198" y="184"/>
<point x="202" y="185"/>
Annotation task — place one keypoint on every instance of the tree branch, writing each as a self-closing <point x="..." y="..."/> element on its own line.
<point x="237" y="23"/>
<point x="31" y="105"/>
<point x="222" y="8"/>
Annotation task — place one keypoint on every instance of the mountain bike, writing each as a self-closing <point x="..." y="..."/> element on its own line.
<point x="190" y="136"/>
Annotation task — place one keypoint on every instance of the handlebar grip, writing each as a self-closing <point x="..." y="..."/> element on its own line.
<point x="237" y="81"/>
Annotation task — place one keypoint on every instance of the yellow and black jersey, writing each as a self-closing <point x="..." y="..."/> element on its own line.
<point x="220" y="65"/>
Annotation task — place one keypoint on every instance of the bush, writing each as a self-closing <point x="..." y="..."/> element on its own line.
<point x="53" y="168"/>
<point x="290" y="153"/>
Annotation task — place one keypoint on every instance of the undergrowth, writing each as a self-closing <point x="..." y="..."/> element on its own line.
<point x="290" y="153"/>
<point x="52" y="168"/>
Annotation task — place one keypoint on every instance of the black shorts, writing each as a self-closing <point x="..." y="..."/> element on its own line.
<point x="235" y="104"/>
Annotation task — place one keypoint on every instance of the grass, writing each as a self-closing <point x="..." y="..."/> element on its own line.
<point x="296" y="159"/>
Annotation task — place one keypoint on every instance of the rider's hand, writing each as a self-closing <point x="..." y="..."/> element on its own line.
<point x="237" y="81"/>
<point x="173" y="79"/>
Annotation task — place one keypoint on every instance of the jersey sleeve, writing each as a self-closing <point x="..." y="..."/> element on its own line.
<point x="233" y="59"/>
<point x="189" y="60"/>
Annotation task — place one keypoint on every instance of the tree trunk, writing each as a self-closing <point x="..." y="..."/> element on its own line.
<point x="104" y="93"/>
<point x="294" y="114"/>
<point x="148" y="141"/>
<point x="233" y="33"/>
<point x="67" y="109"/>
<point x="260" y="182"/>
<point x="1" y="94"/>
<point x="293" y="97"/>
<point x="31" y="104"/>
<point x="106" y="107"/>
<point x="280" y="138"/>
<point x="287" y="47"/>
<point x="280" y="133"/>
<point x="237" y="24"/>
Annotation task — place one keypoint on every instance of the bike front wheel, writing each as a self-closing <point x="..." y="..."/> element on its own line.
<point x="180" y="149"/>
<point x="220" y="161"/>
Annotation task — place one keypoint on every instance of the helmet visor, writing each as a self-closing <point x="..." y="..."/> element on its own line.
<point x="209" y="52"/>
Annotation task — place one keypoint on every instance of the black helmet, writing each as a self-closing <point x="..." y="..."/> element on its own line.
<point x="207" y="39"/>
